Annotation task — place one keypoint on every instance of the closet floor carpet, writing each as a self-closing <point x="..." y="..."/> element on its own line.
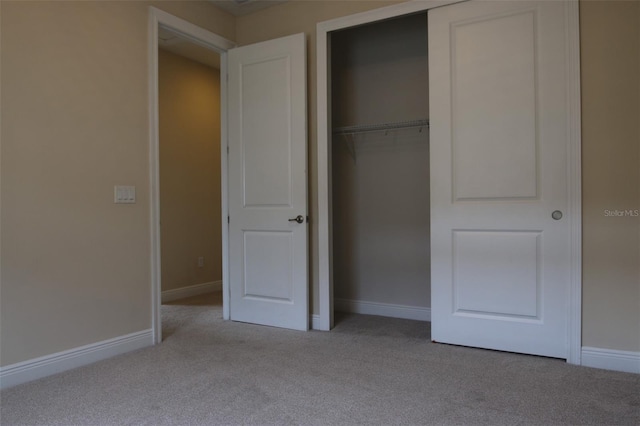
<point x="368" y="370"/>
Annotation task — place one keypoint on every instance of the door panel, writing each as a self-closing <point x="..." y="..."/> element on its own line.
<point x="494" y="100"/>
<point x="500" y="263"/>
<point x="268" y="183"/>
<point x="496" y="273"/>
<point x="266" y="109"/>
<point x="268" y="264"/>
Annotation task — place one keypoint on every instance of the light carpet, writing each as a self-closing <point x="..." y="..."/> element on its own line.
<point x="367" y="371"/>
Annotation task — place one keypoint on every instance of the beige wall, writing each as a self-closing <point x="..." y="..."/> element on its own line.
<point x="189" y="111"/>
<point x="610" y="41"/>
<point x="76" y="266"/>
<point x="610" y="48"/>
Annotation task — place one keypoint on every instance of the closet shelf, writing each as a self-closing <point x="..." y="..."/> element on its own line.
<point x="352" y="130"/>
<point x="349" y="132"/>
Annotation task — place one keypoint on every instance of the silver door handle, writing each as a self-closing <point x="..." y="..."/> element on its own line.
<point x="298" y="219"/>
<point x="556" y="215"/>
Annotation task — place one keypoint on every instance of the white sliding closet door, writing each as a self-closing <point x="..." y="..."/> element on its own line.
<point x="498" y="106"/>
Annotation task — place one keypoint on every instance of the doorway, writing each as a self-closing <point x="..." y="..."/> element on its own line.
<point x="190" y="201"/>
<point x="188" y="257"/>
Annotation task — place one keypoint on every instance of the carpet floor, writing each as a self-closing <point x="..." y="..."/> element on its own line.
<point x="367" y="371"/>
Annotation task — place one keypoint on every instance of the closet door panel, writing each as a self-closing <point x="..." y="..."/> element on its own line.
<point x="500" y="261"/>
<point x="494" y="139"/>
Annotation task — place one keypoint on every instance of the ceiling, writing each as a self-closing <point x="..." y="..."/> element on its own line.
<point x="245" y="7"/>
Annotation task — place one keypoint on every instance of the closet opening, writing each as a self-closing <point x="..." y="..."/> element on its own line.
<point x="379" y="91"/>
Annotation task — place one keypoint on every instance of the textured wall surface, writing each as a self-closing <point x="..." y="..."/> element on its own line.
<point x="610" y="49"/>
<point x="75" y="122"/>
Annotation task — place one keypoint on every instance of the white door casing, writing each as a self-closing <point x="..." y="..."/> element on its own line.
<point x="268" y="183"/>
<point x="159" y="18"/>
<point x="571" y="41"/>
<point x="501" y="265"/>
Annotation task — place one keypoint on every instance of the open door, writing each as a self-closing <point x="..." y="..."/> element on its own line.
<point x="499" y="190"/>
<point x="268" y="270"/>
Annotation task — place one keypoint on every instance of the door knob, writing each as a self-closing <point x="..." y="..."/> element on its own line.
<point x="557" y="215"/>
<point x="298" y="219"/>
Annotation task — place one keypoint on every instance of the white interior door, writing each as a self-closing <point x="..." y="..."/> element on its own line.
<point x="500" y="261"/>
<point x="268" y="183"/>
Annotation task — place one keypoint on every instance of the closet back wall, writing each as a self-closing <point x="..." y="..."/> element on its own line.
<point x="381" y="185"/>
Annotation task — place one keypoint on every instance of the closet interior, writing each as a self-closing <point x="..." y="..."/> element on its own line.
<point x="380" y="168"/>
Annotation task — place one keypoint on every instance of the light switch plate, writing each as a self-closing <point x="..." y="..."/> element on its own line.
<point x="124" y="194"/>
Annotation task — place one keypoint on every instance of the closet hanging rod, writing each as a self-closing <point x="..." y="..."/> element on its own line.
<point x="348" y="130"/>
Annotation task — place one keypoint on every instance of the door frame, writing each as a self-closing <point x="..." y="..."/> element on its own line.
<point x="324" y="243"/>
<point x="159" y="18"/>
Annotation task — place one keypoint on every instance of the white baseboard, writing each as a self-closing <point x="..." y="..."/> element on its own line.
<point x="37" y="368"/>
<point x="190" y="291"/>
<point x="609" y="359"/>
<point x="382" y="309"/>
<point x="314" y="320"/>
